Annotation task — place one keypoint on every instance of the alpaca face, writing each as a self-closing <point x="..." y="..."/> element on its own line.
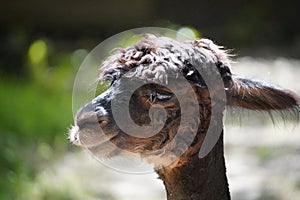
<point x="154" y="104"/>
<point x="154" y="109"/>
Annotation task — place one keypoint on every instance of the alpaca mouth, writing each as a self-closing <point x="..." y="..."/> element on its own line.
<point x="89" y="137"/>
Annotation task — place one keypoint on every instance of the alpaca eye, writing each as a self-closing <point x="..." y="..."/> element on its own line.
<point x="163" y="97"/>
<point x="159" y="97"/>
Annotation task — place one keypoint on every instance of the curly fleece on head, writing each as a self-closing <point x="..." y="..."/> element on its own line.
<point x="157" y="58"/>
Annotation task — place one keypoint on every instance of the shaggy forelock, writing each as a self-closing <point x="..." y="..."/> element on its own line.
<point x="159" y="58"/>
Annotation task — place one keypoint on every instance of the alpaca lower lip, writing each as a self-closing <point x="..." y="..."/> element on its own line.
<point x="90" y="140"/>
<point x="89" y="136"/>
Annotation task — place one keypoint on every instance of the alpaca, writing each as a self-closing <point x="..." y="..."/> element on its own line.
<point x="180" y="114"/>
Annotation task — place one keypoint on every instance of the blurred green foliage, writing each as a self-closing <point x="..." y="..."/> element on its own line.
<point x="35" y="112"/>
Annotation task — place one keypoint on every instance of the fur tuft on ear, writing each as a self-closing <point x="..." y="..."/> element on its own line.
<point x="262" y="96"/>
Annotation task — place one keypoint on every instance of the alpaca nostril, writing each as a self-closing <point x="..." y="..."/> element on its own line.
<point x="103" y="121"/>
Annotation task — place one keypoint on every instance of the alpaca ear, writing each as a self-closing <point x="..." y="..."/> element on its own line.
<point x="261" y="96"/>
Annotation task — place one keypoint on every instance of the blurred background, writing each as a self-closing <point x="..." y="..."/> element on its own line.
<point x="42" y="44"/>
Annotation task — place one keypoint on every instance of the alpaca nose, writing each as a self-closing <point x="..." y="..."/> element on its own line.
<point x="92" y="115"/>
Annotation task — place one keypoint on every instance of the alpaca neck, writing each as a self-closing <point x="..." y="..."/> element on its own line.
<point x="197" y="178"/>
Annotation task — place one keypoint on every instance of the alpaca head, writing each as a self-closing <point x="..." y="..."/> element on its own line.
<point x="160" y="100"/>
